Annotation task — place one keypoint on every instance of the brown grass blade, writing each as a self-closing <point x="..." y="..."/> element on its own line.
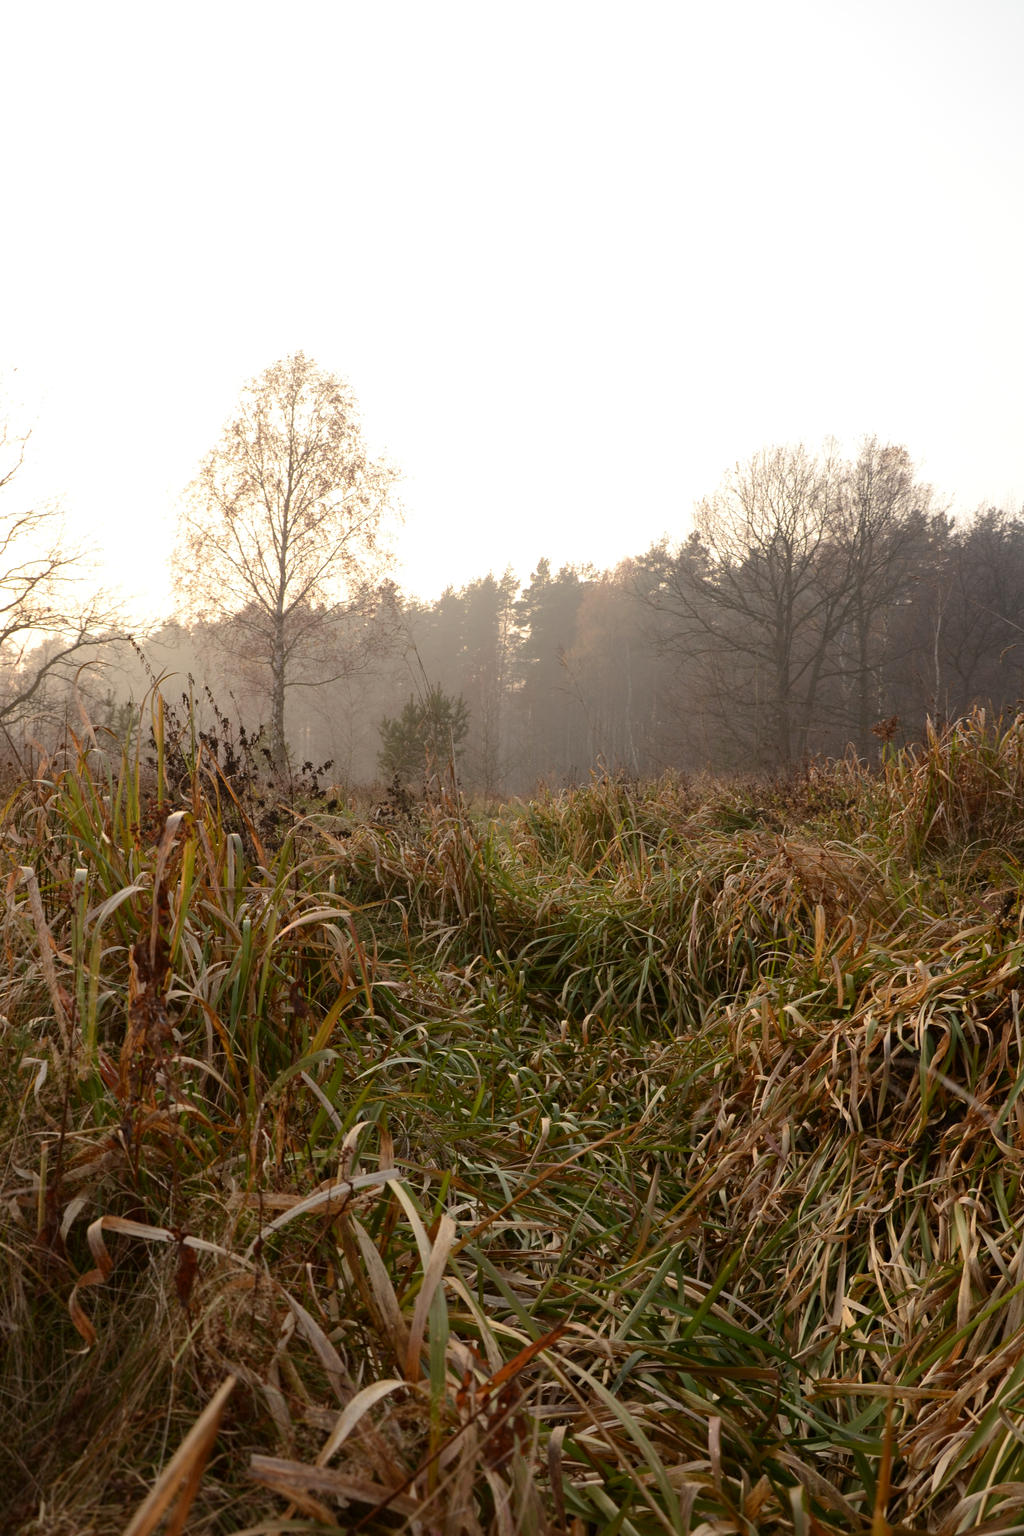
<point x="293" y="1478"/>
<point x="179" y="1481"/>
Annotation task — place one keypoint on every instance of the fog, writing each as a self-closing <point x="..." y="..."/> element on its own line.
<point x="575" y="266"/>
<point x="574" y="261"/>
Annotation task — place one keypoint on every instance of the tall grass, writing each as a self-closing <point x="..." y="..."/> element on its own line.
<point x="642" y="1158"/>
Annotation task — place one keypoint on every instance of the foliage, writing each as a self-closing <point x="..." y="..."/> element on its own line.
<point x="643" y="1157"/>
<point x="424" y="737"/>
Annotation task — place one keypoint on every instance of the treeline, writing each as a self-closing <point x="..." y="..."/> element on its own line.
<point x="819" y="605"/>
<point x="809" y="640"/>
<point x="816" y="607"/>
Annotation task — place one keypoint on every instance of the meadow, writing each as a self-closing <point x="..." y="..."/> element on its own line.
<point x="642" y="1158"/>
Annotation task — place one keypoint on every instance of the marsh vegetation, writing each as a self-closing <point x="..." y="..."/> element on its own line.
<point x="644" y="1157"/>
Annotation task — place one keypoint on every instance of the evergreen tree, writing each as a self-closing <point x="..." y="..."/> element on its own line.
<point x="424" y="736"/>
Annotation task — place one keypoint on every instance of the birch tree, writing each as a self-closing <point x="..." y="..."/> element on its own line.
<point x="283" y="530"/>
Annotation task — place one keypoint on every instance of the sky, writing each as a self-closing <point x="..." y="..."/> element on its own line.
<point x="574" y="258"/>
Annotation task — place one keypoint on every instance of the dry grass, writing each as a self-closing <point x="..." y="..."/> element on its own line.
<point x="641" y="1159"/>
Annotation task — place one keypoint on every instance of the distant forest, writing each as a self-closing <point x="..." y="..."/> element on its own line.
<point x="657" y="664"/>
<point x="622" y="671"/>
<point x="819" y="606"/>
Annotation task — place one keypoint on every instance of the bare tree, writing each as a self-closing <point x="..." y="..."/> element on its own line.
<point x="282" y="530"/>
<point x="758" y="590"/>
<point x="882" y="535"/>
<point x="785" y="599"/>
<point x="48" y="624"/>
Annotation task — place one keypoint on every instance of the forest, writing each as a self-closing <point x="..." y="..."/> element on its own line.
<point x="786" y="625"/>
<point x="653" y="666"/>
<point x="815" y="604"/>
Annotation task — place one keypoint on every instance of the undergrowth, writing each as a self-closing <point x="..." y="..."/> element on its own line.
<point x="643" y="1158"/>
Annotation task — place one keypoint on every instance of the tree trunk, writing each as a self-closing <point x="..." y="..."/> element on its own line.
<point x="278" y="744"/>
<point x="783" y="700"/>
<point x="864" y="710"/>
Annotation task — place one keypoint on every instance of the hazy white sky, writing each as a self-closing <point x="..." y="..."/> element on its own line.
<point x="574" y="258"/>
